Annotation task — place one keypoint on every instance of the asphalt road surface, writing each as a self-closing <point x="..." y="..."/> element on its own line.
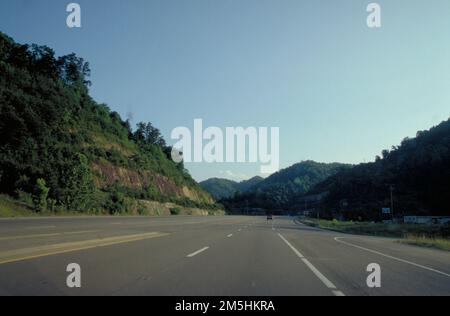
<point x="204" y="256"/>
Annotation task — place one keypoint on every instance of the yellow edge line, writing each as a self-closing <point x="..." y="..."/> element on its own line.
<point x="28" y="236"/>
<point x="56" y="252"/>
<point x="48" y="235"/>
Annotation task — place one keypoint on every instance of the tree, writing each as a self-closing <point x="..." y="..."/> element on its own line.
<point x="74" y="70"/>
<point x="40" y="195"/>
<point x="51" y="128"/>
<point x="77" y="183"/>
<point x="44" y="61"/>
<point x="147" y="134"/>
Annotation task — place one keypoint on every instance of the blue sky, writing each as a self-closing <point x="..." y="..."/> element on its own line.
<point x="338" y="90"/>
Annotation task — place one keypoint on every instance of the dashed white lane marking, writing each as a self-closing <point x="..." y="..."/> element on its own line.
<point x="316" y="272"/>
<point x="338" y="239"/>
<point x="230" y="235"/>
<point x="239" y="230"/>
<point x="197" y="252"/>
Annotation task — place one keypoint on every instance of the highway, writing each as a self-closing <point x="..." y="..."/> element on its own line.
<point x="208" y="256"/>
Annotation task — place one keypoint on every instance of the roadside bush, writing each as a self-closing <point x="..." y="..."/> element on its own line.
<point x="117" y="203"/>
<point x="175" y="211"/>
<point x="51" y="205"/>
<point x="24" y="197"/>
<point x="40" y="196"/>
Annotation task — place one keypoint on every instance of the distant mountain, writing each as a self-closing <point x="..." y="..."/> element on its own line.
<point x="250" y="184"/>
<point x="60" y="150"/>
<point x="224" y="188"/>
<point x="220" y="188"/>
<point x="418" y="171"/>
<point x="301" y="177"/>
<point x="278" y="190"/>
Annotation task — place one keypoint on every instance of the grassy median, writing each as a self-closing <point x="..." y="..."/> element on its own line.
<point x="432" y="236"/>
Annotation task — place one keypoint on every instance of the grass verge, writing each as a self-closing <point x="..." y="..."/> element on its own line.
<point x="423" y="241"/>
<point x="431" y="236"/>
<point x="12" y="208"/>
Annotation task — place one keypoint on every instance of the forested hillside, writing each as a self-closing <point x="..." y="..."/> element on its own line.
<point x="60" y="150"/>
<point x="418" y="170"/>
<point x="280" y="190"/>
<point x="223" y="188"/>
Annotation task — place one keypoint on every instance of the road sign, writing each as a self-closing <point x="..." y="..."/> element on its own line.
<point x="386" y="210"/>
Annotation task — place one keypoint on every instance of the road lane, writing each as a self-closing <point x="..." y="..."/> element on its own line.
<point x="254" y="262"/>
<point x="314" y="270"/>
<point x="54" y="249"/>
<point x="230" y="256"/>
<point x="346" y="265"/>
<point x="105" y="270"/>
<point x="15" y="235"/>
<point x="340" y="240"/>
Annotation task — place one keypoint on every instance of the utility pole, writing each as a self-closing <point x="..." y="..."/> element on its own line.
<point x="391" y="188"/>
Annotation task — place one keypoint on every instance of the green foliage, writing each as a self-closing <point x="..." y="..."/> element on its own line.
<point x="24" y="197"/>
<point x="175" y="211"/>
<point x="223" y="188"/>
<point x="52" y="129"/>
<point x="147" y="134"/>
<point x="419" y="169"/>
<point x="40" y="196"/>
<point x="220" y="188"/>
<point x="282" y="189"/>
<point x="52" y="205"/>
<point x="76" y="179"/>
<point x="152" y="192"/>
<point x="13" y="208"/>
<point x="380" y="229"/>
<point x="117" y="203"/>
<point x="422" y="241"/>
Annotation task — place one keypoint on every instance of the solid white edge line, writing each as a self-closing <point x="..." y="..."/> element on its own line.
<point x="197" y="252"/>
<point x="390" y="257"/>
<point x="316" y="272"/>
<point x="292" y="247"/>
